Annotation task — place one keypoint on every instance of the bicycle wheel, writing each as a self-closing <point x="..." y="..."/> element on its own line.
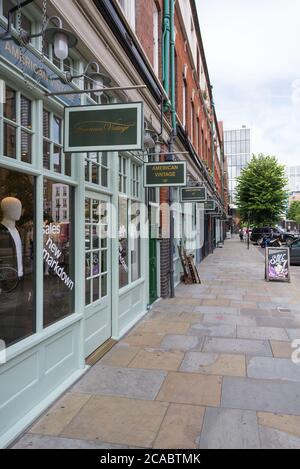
<point x="8" y="279"/>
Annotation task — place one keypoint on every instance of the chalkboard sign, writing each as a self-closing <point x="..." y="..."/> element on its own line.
<point x="278" y="264"/>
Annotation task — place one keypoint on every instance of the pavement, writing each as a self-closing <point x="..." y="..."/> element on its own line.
<point x="211" y="368"/>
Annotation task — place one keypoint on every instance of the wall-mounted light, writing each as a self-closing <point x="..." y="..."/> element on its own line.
<point x="100" y="80"/>
<point x="149" y="141"/>
<point x="61" y="38"/>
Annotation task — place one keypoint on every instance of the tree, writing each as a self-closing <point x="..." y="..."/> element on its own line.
<point x="294" y="212"/>
<point x="261" y="191"/>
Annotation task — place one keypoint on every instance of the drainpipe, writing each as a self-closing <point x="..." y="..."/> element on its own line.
<point x="166" y="48"/>
<point x="172" y="138"/>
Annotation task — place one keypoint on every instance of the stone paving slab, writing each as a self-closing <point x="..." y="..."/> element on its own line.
<point x="182" y="342"/>
<point x="294" y="334"/>
<point x="262" y="333"/>
<point x="261" y="395"/>
<point x="120" y="355"/>
<point x="228" y="319"/>
<point x="157" y="359"/>
<point x="273" y="368"/>
<point x="216" y="310"/>
<point x="181" y="427"/>
<point x="201" y="330"/>
<point x="118" y="420"/>
<point x="274" y="439"/>
<point x="62" y="413"/>
<point x="134" y="383"/>
<point x="214" y="364"/>
<point x="240" y="346"/>
<point x="47" y="442"/>
<point x="188" y="388"/>
<point x="230" y="429"/>
<point x="281" y="349"/>
<point x="285" y="423"/>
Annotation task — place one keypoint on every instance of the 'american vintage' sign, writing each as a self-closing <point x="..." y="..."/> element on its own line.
<point x="113" y="127"/>
<point x="170" y="174"/>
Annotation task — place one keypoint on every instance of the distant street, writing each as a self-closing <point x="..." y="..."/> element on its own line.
<point x="211" y="368"/>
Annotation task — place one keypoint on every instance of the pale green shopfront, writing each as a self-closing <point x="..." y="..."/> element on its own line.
<point x="76" y="287"/>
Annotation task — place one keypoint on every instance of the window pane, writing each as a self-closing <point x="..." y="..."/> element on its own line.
<point x="57" y="159"/>
<point x="68" y="164"/>
<point x="9" y="141"/>
<point x="103" y="286"/>
<point x="104" y="177"/>
<point x="56" y="129"/>
<point x="123" y="242"/>
<point x="59" y="278"/>
<point x="10" y="104"/>
<point x="17" y="256"/>
<point x="46" y="124"/>
<point x="26" y="146"/>
<point x="135" y="241"/>
<point x="26" y="113"/>
<point x="46" y="155"/>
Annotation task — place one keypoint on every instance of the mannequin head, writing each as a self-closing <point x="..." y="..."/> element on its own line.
<point x="11" y="209"/>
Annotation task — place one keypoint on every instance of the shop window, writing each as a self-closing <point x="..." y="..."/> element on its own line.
<point x="135" y="180"/>
<point x="123" y="242"/>
<point x="53" y="157"/>
<point x="58" y="253"/>
<point x="96" y="168"/>
<point x="135" y="236"/>
<point x="25" y="22"/>
<point x="96" y="250"/>
<point x="17" y="256"/>
<point x="16" y="126"/>
<point x="122" y="174"/>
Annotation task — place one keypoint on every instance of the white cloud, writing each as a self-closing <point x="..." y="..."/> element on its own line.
<point x="254" y="65"/>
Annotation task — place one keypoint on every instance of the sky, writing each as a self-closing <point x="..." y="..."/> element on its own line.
<point x="252" y="50"/>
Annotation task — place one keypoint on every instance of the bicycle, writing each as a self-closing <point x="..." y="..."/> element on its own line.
<point x="9" y="279"/>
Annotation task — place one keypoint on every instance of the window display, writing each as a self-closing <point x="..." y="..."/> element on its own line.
<point x="17" y="256"/>
<point x="58" y="255"/>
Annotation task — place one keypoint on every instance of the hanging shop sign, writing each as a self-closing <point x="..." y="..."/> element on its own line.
<point x="194" y="194"/>
<point x="31" y="65"/>
<point x="278" y="264"/>
<point x="113" y="127"/>
<point x="210" y="205"/>
<point x="172" y="174"/>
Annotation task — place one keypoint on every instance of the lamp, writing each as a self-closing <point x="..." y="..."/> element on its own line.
<point x="148" y="140"/>
<point x="61" y="38"/>
<point x="100" y="80"/>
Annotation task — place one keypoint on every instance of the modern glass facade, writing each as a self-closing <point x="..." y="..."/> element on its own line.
<point x="238" y="151"/>
<point x="293" y="175"/>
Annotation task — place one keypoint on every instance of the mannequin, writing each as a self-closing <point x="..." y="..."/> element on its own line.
<point x="12" y="211"/>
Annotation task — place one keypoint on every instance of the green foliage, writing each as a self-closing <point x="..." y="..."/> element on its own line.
<point x="261" y="191"/>
<point x="294" y="212"/>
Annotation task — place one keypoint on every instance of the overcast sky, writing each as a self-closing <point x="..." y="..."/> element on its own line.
<point x="252" y="50"/>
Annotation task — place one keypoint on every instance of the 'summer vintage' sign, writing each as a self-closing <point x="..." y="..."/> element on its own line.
<point x="113" y="127"/>
<point x="170" y="174"/>
<point x="194" y="194"/>
<point x="277" y="264"/>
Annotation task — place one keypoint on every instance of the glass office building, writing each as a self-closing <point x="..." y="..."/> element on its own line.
<point x="293" y="175"/>
<point x="238" y="152"/>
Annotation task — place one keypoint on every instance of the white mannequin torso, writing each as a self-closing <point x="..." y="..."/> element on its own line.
<point x="10" y="225"/>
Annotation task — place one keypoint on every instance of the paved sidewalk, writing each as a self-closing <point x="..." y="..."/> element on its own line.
<point x="211" y="368"/>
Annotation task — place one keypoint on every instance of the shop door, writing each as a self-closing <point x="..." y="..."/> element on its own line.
<point x="152" y="270"/>
<point x="97" y="272"/>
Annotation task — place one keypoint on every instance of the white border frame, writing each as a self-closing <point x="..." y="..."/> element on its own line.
<point x="193" y="200"/>
<point x="139" y="106"/>
<point x="158" y="163"/>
